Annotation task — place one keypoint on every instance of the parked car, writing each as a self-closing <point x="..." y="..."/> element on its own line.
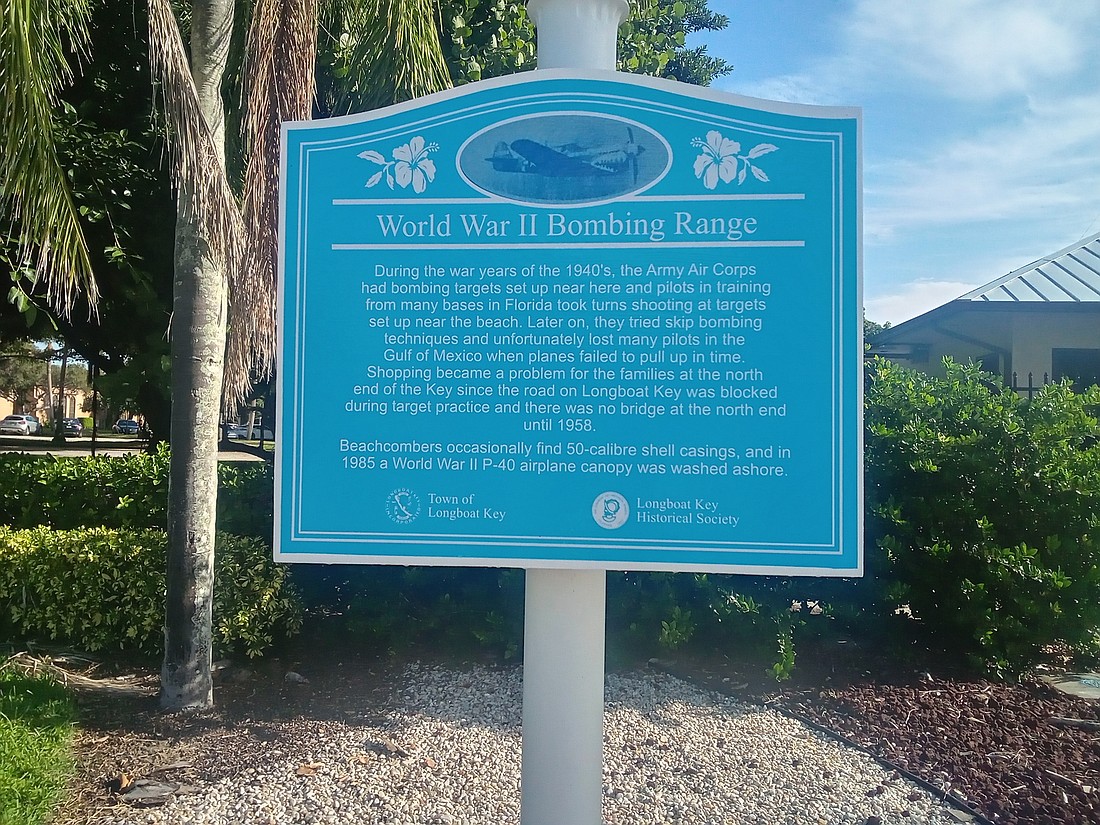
<point x="240" y="431"/>
<point x="126" y="426"/>
<point x="73" y="426"/>
<point x="20" y="425"/>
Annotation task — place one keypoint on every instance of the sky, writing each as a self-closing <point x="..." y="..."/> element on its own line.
<point x="981" y="126"/>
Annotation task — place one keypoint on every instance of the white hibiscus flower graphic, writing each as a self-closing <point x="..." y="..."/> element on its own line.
<point x="410" y="165"/>
<point x="721" y="159"/>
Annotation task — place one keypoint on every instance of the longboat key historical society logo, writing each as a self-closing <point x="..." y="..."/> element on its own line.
<point x="610" y="510"/>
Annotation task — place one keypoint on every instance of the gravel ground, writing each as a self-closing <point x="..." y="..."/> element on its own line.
<point x="989" y="746"/>
<point x="446" y="752"/>
<point x="438" y="744"/>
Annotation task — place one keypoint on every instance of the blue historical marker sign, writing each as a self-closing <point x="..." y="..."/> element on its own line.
<point x="572" y="320"/>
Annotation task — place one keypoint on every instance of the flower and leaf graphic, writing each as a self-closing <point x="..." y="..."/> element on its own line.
<point x="721" y="159"/>
<point x="410" y="166"/>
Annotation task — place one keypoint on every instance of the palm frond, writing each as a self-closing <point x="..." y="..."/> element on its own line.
<point x="279" y="85"/>
<point x="204" y="196"/>
<point x="394" y="45"/>
<point x="387" y="51"/>
<point x="34" y="189"/>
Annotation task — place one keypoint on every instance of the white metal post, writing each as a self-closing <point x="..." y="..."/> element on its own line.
<point x="565" y="610"/>
<point x="563" y="673"/>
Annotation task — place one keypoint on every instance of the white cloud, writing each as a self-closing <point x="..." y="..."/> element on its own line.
<point x="975" y="49"/>
<point x="913" y="299"/>
<point x="966" y="50"/>
<point x="980" y="135"/>
<point x="1016" y="170"/>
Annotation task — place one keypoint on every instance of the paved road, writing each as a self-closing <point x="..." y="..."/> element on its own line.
<point x="112" y="445"/>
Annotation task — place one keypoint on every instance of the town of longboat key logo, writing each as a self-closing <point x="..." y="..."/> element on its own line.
<point x="610" y="510"/>
<point x="403" y="506"/>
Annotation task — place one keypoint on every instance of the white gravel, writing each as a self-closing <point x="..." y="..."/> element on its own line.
<point x="448" y="753"/>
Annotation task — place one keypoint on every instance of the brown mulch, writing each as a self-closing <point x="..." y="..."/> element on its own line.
<point x="992" y="744"/>
<point x="989" y="746"/>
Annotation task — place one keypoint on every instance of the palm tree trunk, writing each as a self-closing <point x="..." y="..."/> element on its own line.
<point x="59" y="407"/>
<point x="198" y="355"/>
<point x="49" y="382"/>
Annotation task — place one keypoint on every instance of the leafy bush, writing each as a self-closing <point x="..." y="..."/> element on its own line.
<point x="399" y="606"/>
<point x="102" y="589"/>
<point x="647" y="613"/>
<point x="69" y="492"/>
<point x="128" y="491"/>
<point x="246" y="499"/>
<point x="983" y="511"/>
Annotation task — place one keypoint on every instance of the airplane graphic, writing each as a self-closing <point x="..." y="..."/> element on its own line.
<point x="567" y="160"/>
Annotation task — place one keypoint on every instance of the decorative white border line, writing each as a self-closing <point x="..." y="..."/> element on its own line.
<point x="790" y="196"/>
<point x="830" y="138"/>
<point x="411" y="247"/>
<point x="570" y="564"/>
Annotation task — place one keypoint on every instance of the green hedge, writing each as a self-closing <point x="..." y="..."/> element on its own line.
<point x="103" y="589"/>
<point x="983" y="525"/>
<point x="68" y="492"/>
<point x="984" y="512"/>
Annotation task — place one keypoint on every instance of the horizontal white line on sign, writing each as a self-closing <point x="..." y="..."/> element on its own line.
<point x="792" y="196"/>
<point x="404" y="247"/>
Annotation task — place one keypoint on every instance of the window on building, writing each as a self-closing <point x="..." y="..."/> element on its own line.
<point x="1081" y="366"/>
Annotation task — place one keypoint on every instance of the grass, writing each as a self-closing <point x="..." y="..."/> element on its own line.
<point x="36" y="730"/>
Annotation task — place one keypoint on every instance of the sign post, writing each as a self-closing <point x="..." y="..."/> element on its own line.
<point x="572" y="321"/>
<point x="565" y="610"/>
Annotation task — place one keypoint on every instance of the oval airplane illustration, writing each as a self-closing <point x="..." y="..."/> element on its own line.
<point x="568" y="158"/>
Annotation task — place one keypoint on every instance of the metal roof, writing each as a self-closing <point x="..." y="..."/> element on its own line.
<point x="1071" y="275"/>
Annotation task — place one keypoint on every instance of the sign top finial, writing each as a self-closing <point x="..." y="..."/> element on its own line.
<point x="577" y="34"/>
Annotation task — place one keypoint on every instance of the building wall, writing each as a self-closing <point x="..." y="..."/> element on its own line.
<point x="73" y="405"/>
<point x="1020" y="341"/>
<point x="1035" y="335"/>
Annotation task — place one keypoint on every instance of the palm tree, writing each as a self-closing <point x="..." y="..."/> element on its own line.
<point x="35" y="36"/>
<point x="223" y="322"/>
<point x="223" y="247"/>
<point x="214" y="255"/>
<point x="209" y="244"/>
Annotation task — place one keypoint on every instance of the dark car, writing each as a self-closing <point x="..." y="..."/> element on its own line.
<point x="73" y="426"/>
<point x="126" y="426"/>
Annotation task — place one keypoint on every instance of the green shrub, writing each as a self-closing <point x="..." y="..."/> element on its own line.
<point x="246" y="499"/>
<point x="395" y="607"/>
<point x="131" y="491"/>
<point x="67" y="492"/>
<point x="647" y="611"/>
<point x="982" y="512"/>
<point x="103" y="589"/>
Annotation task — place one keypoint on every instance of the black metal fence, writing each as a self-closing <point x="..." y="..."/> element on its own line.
<point x="1030" y="387"/>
